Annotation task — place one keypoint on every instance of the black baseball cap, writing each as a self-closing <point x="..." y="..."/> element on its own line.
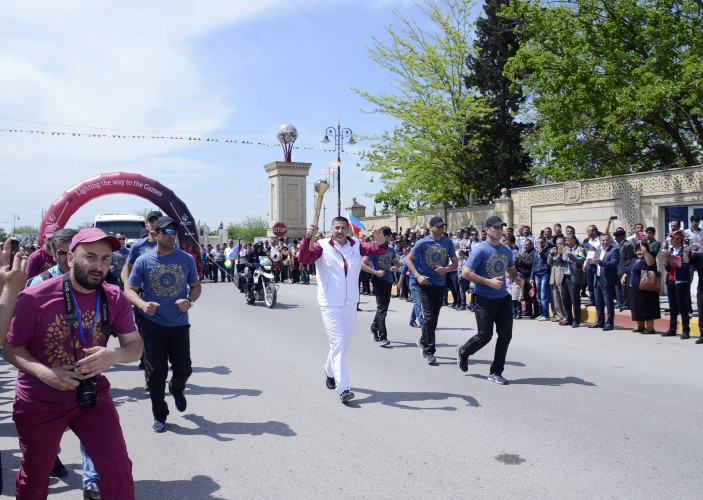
<point x="154" y="213"/>
<point x="163" y="222"/>
<point x="494" y="221"/>
<point x="619" y="232"/>
<point x="437" y="222"/>
<point x="386" y="230"/>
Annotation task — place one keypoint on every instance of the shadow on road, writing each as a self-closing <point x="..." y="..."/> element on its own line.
<point x="554" y="382"/>
<point x="402" y="400"/>
<point x="122" y="396"/>
<point x="197" y="488"/>
<point x="219" y="431"/>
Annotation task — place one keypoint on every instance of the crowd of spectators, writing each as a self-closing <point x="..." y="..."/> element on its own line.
<point x="564" y="271"/>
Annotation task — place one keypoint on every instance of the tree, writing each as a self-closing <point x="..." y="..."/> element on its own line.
<point x="31" y="230"/>
<point x="428" y="159"/>
<point x="248" y="229"/>
<point x="501" y="160"/>
<point x="616" y="85"/>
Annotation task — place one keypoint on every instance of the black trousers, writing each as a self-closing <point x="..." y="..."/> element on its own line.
<point x="164" y="344"/>
<point x="679" y="303"/>
<point x="382" y="290"/>
<point x="365" y="280"/>
<point x="453" y="287"/>
<point x="490" y="312"/>
<point x="431" y="297"/>
<point x="605" y="295"/>
<point x="571" y="296"/>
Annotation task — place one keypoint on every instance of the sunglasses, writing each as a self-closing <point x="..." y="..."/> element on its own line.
<point x="168" y="231"/>
<point x="121" y="239"/>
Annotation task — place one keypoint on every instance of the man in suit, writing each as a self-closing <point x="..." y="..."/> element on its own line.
<point x="627" y="253"/>
<point x="606" y="263"/>
<point x="571" y="260"/>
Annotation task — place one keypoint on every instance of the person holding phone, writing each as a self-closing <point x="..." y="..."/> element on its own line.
<point x="676" y="263"/>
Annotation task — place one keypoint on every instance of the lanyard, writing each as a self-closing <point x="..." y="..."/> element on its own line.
<point x="79" y="321"/>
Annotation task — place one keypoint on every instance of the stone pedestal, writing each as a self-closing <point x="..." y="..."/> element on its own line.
<point x="287" y="196"/>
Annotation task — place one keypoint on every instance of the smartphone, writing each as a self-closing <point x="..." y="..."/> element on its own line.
<point x="14" y="248"/>
<point x="686" y="242"/>
<point x="614" y="217"/>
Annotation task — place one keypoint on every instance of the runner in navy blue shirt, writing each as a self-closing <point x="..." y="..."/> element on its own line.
<point x="431" y="259"/>
<point x="486" y="267"/>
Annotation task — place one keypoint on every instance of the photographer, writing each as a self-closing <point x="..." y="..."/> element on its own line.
<point x="676" y="263"/>
<point x="55" y="358"/>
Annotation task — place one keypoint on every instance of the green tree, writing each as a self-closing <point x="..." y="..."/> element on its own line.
<point x="616" y="85"/>
<point x="25" y="229"/>
<point x="428" y="158"/>
<point x="248" y="229"/>
<point x="502" y="161"/>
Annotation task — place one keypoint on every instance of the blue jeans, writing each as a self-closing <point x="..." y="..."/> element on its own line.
<point x="542" y="291"/>
<point x="89" y="474"/>
<point x="416" y="314"/>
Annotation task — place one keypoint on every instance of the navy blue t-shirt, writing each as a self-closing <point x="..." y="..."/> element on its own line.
<point x="139" y="248"/>
<point x="430" y="254"/>
<point x="384" y="263"/>
<point x="489" y="262"/>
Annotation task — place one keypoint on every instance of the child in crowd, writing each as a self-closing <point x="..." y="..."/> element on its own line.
<point x="516" y="294"/>
<point x="463" y="284"/>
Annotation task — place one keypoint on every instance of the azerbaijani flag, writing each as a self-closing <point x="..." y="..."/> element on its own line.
<point x="356" y="225"/>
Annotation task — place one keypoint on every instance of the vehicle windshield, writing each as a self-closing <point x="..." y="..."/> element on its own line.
<point x="131" y="229"/>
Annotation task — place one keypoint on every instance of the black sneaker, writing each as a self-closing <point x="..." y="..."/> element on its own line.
<point x="413" y="324"/>
<point x="375" y="334"/>
<point x="179" y="398"/>
<point x="158" y="426"/>
<point x="346" y="396"/>
<point x="59" y="469"/>
<point x="461" y="361"/>
<point x="330" y="383"/>
<point x="498" y="379"/>
<point x="385" y="343"/>
<point x="92" y="492"/>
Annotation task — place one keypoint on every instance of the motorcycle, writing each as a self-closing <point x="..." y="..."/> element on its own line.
<point x="259" y="285"/>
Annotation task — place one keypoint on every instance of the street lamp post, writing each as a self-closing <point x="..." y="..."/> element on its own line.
<point x="338" y="134"/>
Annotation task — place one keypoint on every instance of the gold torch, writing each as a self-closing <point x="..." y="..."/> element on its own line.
<point x="321" y="188"/>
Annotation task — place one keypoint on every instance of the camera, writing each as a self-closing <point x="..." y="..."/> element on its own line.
<point x="686" y="242"/>
<point x="86" y="395"/>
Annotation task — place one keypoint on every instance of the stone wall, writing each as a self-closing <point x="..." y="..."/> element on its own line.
<point x="634" y="198"/>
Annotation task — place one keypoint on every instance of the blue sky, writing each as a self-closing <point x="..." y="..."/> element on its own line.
<point x="221" y="69"/>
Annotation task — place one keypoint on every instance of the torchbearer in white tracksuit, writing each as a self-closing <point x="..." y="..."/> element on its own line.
<point x="338" y="262"/>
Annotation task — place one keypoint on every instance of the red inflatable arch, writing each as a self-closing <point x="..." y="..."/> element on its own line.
<point x="125" y="183"/>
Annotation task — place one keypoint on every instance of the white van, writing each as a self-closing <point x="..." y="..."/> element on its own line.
<point x="130" y="225"/>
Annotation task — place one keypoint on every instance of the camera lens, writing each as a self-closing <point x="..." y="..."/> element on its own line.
<point x="86" y="395"/>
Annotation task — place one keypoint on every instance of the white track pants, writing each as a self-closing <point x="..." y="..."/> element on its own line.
<point x="339" y="323"/>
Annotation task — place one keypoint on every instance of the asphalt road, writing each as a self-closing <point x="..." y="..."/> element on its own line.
<point x="588" y="414"/>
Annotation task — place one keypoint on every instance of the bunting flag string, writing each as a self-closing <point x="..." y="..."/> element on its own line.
<point x="91" y="135"/>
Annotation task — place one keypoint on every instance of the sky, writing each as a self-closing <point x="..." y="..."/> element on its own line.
<point x="227" y="70"/>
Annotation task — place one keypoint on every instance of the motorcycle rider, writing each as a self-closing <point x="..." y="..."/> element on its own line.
<point x="252" y="258"/>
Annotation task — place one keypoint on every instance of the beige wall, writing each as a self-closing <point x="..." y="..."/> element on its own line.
<point x="633" y="198"/>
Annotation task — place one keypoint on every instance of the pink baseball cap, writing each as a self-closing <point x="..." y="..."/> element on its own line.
<point x="50" y="230"/>
<point x="92" y="234"/>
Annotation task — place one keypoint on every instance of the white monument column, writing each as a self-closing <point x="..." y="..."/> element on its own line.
<point x="287" y="196"/>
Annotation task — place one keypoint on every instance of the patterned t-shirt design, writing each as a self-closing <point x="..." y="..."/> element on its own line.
<point x="58" y="332"/>
<point x="167" y="280"/>
<point x="435" y="255"/>
<point x="496" y="265"/>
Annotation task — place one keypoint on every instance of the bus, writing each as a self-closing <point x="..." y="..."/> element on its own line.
<point x="130" y="225"/>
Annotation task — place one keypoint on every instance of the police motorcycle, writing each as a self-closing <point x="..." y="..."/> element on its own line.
<point x="257" y="282"/>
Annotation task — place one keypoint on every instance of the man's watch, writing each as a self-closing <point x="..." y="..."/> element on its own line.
<point x="191" y="302"/>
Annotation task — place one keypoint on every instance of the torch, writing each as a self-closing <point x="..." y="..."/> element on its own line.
<point x="321" y="187"/>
